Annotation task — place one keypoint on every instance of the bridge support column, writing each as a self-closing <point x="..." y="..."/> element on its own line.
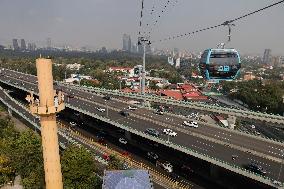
<point x="232" y="122"/>
<point x="127" y="135"/>
<point x="10" y="112"/>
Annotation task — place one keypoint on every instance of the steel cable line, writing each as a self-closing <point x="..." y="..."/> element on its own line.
<point x="226" y="23"/>
<point x="163" y="11"/>
<point x="141" y="17"/>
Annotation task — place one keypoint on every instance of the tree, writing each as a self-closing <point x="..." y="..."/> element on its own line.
<point x="27" y="159"/>
<point x="152" y="85"/>
<point x="78" y="169"/>
<point x="114" y="163"/>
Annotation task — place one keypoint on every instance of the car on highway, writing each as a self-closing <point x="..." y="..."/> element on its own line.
<point x="153" y="132"/>
<point x="73" y="124"/>
<point x="152" y="156"/>
<point x="101" y="109"/>
<point x="167" y="167"/>
<point x="190" y="124"/>
<point x="106" y="97"/>
<point x="169" y="132"/>
<point x="255" y="168"/>
<point x="159" y="112"/>
<point x="122" y="140"/>
<point x="101" y="134"/>
<point x="132" y="108"/>
<point x="124" y="113"/>
<point x="120" y="132"/>
<point x="70" y="96"/>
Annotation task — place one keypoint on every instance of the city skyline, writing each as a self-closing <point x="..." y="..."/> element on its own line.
<point x="88" y="24"/>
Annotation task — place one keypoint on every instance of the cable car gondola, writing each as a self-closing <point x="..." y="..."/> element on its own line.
<point x="220" y="64"/>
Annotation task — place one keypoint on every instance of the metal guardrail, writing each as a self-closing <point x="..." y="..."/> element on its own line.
<point x="99" y="159"/>
<point x="164" y="180"/>
<point x="221" y="163"/>
<point x="196" y="105"/>
<point x="158" y="177"/>
<point x="266" y="139"/>
<point x="213" y="160"/>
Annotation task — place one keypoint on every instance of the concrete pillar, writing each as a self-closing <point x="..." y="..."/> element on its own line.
<point x="47" y="112"/>
<point x="232" y="122"/>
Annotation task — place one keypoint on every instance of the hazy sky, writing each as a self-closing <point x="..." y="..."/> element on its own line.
<point x="100" y="23"/>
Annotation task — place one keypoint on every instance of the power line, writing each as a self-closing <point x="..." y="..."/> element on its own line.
<point x="159" y="15"/>
<point x="141" y="17"/>
<point x="226" y="23"/>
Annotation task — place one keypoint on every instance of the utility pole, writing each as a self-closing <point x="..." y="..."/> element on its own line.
<point x="143" y="41"/>
<point x="46" y="108"/>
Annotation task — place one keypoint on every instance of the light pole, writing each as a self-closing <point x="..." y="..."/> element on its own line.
<point x="282" y="156"/>
<point x="143" y="41"/>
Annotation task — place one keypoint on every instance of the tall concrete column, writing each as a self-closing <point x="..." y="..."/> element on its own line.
<point x="47" y="109"/>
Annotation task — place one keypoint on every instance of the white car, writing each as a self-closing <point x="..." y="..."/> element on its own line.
<point x="167" y="167"/>
<point x="169" y="132"/>
<point x="252" y="126"/>
<point x="73" y="124"/>
<point x="190" y="124"/>
<point x="101" y="109"/>
<point x="132" y="108"/>
<point x="122" y="141"/>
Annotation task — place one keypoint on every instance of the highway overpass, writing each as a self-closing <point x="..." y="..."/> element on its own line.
<point x="277" y="119"/>
<point x="213" y="144"/>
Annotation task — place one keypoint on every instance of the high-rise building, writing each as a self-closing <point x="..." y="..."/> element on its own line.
<point x="171" y="60"/>
<point x="16" y="45"/>
<point x="266" y="56"/>
<point x="23" y="45"/>
<point x="134" y="48"/>
<point x="126" y="40"/>
<point x="31" y="46"/>
<point x="48" y="43"/>
<point x="281" y="61"/>
<point x="178" y="63"/>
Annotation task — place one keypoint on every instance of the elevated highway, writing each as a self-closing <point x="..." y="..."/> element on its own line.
<point x="213" y="144"/>
<point x="277" y="119"/>
<point x="68" y="136"/>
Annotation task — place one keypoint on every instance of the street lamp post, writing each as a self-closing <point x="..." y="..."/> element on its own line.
<point x="143" y="41"/>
